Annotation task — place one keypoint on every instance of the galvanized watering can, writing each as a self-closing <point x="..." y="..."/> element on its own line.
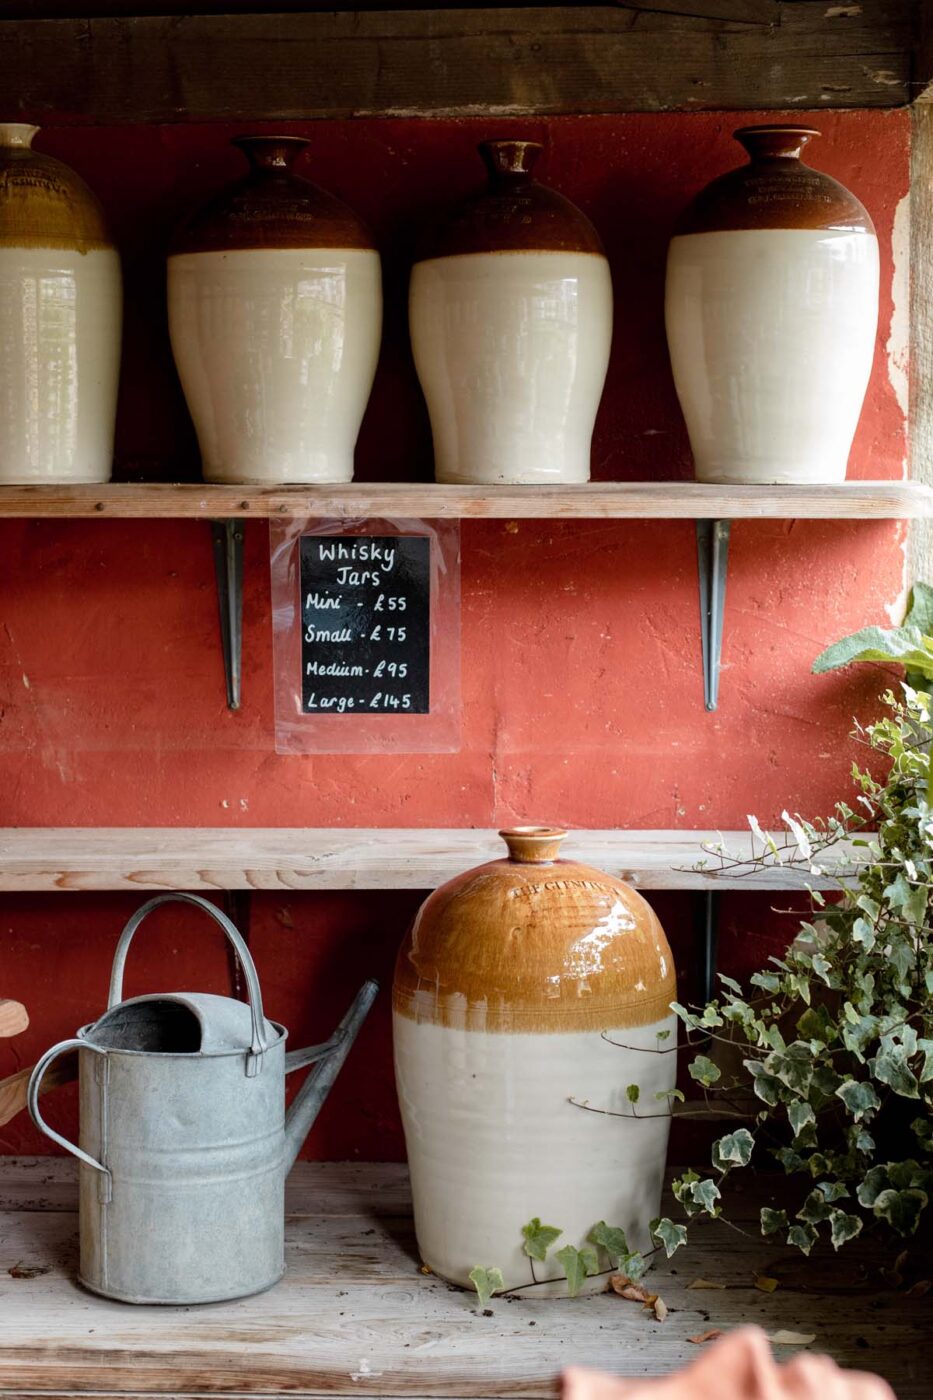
<point x="185" y="1143"/>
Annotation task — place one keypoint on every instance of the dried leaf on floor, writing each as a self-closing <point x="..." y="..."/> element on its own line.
<point x="705" y="1283"/>
<point x="766" y="1284"/>
<point x="920" y="1289"/>
<point x="636" y="1293"/>
<point x="29" y="1270"/>
<point x="784" y="1338"/>
<point x="703" y="1337"/>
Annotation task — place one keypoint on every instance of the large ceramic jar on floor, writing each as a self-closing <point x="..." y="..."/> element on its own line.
<point x="771" y="308"/>
<point x="275" y="315"/>
<point x="511" y="321"/>
<point x="60" y="320"/>
<point x="510" y="991"/>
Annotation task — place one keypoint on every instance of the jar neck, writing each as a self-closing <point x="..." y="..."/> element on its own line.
<point x="18" y="134"/>
<point x="775" y="142"/>
<point x="533" y="845"/>
<point x="271" y="155"/>
<point x="509" y="164"/>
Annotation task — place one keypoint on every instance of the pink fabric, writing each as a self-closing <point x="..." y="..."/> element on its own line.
<point x="739" y="1366"/>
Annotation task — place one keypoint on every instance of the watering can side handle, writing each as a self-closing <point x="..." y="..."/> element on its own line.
<point x="32" y="1102"/>
<point x="258" y="1045"/>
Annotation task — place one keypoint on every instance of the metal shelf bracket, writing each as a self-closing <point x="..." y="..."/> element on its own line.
<point x="228" y="566"/>
<point x="712" y="561"/>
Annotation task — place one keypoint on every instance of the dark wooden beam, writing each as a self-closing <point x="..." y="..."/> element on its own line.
<point x="665" y="55"/>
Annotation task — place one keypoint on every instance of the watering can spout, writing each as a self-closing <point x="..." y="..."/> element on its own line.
<point x="328" y="1060"/>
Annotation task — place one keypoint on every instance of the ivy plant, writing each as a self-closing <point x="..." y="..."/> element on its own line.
<point x="826" y="1056"/>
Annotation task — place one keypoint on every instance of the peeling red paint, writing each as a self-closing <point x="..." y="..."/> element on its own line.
<point x="588" y="708"/>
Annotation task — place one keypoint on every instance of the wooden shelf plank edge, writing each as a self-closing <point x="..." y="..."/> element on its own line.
<point x="44" y="859"/>
<point x="639" y="499"/>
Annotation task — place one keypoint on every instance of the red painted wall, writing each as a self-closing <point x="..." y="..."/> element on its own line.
<point x="588" y="709"/>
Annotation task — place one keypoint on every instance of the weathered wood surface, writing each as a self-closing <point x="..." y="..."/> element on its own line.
<point x="400" y="858"/>
<point x="354" y="1315"/>
<point x="638" y="56"/>
<point x="654" y="500"/>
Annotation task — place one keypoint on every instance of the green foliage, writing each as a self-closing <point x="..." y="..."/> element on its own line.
<point x="669" y="1234"/>
<point x="539" y="1238"/>
<point x="486" y="1282"/>
<point x="836" y="1037"/>
<point x="577" y="1265"/>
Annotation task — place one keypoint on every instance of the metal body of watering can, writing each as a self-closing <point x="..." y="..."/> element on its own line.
<point x="184" y="1139"/>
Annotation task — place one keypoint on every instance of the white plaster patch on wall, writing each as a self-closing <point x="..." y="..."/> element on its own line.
<point x="898" y="343"/>
<point x="898" y="606"/>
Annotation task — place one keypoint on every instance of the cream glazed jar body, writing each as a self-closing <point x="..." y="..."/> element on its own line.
<point x="529" y="992"/>
<point x="771" y="312"/>
<point x="510" y="310"/>
<point x="275" y="316"/>
<point x="61" y="302"/>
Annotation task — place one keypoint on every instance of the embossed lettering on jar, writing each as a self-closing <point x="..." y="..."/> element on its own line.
<point x="511" y="321"/>
<point x="275" y="315"/>
<point x="771" y="309"/>
<point x="530" y="992"/>
<point x="61" y="301"/>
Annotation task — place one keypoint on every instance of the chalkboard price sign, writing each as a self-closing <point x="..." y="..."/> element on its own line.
<point x="365" y="624"/>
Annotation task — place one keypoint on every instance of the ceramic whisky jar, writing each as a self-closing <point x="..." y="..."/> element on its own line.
<point x="61" y="301"/>
<point x="771" y="312"/>
<point x="275" y="317"/>
<point x="510" y="309"/>
<point x="529" y="992"/>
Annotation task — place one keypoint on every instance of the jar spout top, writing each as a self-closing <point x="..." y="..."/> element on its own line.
<point x="510" y="161"/>
<point x="17" y="134"/>
<point x="270" y="153"/>
<point x="775" y="142"/>
<point x="533" y="845"/>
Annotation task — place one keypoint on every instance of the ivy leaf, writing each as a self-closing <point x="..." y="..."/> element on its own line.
<point x="668" y="1234"/>
<point x="890" y="1066"/>
<point x="610" y="1238"/>
<point x="799" y="1115"/>
<point x="802" y="1237"/>
<point x="704" y="1071"/>
<point x="773" y="1220"/>
<point x="633" y="1266"/>
<point x="901" y="1209"/>
<point x="486" y="1282"/>
<point x="814" y="1209"/>
<point x="859" y="1098"/>
<point x="576" y="1264"/>
<point x="734" y="1148"/>
<point x="843" y="1227"/>
<point x="632" y="1093"/>
<point x="538" y="1238"/>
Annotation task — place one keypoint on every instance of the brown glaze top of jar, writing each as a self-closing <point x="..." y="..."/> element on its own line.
<point x="535" y="944"/>
<point x="775" y="190"/>
<point x="514" y="214"/>
<point x="43" y="202"/>
<point x="271" y="207"/>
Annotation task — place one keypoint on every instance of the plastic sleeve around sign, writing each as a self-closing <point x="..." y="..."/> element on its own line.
<point x="361" y="730"/>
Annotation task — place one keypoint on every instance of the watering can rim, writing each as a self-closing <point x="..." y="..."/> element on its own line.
<point x="216" y="1054"/>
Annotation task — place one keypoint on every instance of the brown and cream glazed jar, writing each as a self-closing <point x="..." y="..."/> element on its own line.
<point x="61" y="301"/>
<point x="275" y="315"/>
<point x="510" y="311"/>
<point x="771" y="309"/>
<point x="526" y="989"/>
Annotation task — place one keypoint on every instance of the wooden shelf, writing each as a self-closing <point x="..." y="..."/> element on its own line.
<point x="185" y="858"/>
<point x="658" y="500"/>
<point x="354" y="1315"/>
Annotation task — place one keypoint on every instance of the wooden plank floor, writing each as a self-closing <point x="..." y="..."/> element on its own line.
<point x="355" y="1316"/>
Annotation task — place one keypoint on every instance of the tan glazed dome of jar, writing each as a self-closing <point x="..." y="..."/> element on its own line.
<point x="43" y="202"/>
<point x="532" y="943"/>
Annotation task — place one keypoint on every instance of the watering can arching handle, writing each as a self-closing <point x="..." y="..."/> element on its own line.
<point x="258" y="1046"/>
<point x="32" y="1103"/>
